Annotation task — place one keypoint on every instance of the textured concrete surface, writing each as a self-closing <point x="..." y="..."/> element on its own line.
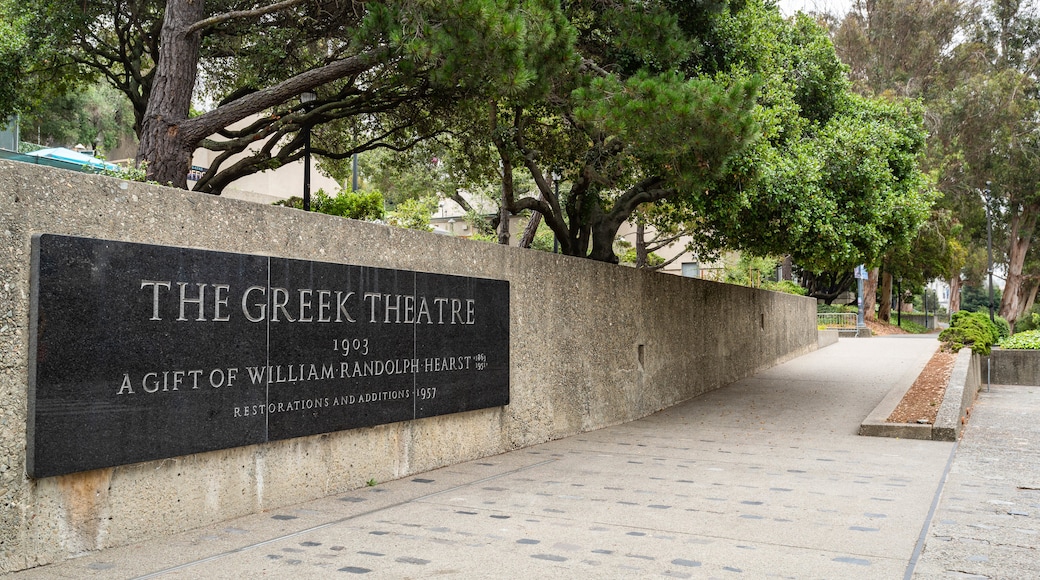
<point x="592" y="345"/>
<point x="987" y="524"/>
<point x="961" y="392"/>
<point x="765" y="478"/>
<point x="1012" y="367"/>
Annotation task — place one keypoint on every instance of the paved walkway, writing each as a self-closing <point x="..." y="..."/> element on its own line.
<point x="988" y="522"/>
<point x="765" y="478"/>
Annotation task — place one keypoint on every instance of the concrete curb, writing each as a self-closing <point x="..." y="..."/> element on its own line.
<point x="964" y="385"/>
<point x="961" y="391"/>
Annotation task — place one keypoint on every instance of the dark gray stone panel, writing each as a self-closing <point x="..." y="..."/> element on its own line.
<point x="119" y="372"/>
<point x="464" y="351"/>
<point x="363" y="356"/>
<point x="143" y="352"/>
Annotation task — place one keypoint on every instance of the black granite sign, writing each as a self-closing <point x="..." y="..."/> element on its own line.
<point x="142" y="352"/>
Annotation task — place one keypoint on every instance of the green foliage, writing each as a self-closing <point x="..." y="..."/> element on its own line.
<point x="971" y="329"/>
<point x="1003" y="328"/>
<point x="413" y="214"/>
<point x="1030" y="321"/>
<point x="785" y="286"/>
<point x="976" y="298"/>
<point x="630" y="257"/>
<point x="96" y="116"/>
<point x="750" y="270"/>
<point x="1027" y="340"/>
<point x="484" y="237"/>
<point x="364" y="206"/>
<point x="544" y="239"/>
<point x="834" y="181"/>
<point x="402" y="65"/>
<point x="681" y="129"/>
<point x="13" y="45"/>
<point x="912" y="327"/>
<point x="834" y="308"/>
<point x="130" y="172"/>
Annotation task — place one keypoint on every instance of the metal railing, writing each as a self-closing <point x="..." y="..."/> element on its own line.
<point x="839" y="320"/>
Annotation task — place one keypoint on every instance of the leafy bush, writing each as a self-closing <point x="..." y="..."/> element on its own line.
<point x="1030" y="320"/>
<point x="130" y="172"/>
<point x="364" y="206"/>
<point x="785" y="286"/>
<point x="1027" y="340"/>
<point x="971" y="329"/>
<point x="1003" y="328"/>
<point x="413" y="214"/>
<point x="629" y="257"/>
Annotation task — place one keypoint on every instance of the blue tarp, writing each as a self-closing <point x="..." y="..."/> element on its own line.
<point x="70" y="156"/>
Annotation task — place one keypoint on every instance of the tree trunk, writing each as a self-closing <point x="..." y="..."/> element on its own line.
<point x="955" y="293"/>
<point x="532" y="228"/>
<point x="1022" y="226"/>
<point x="641" y="253"/>
<point x="604" y="232"/>
<point x="870" y="295"/>
<point x="885" y="311"/>
<point x="1032" y="285"/>
<point x="787" y="269"/>
<point x="167" y="152"/>
<point x="506" y="202"/>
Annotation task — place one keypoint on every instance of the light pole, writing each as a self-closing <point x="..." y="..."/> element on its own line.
<point x="989" y="250"/>
<point x="556" y="187"/>
<point x="306" y="98"/>
<point x="353" y="173"/>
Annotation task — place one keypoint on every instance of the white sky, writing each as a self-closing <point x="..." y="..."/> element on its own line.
<point x="789" y="7"/>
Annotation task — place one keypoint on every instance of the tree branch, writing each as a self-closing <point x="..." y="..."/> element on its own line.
<point x="209" y="123"/>
<point x="221" y="18"/>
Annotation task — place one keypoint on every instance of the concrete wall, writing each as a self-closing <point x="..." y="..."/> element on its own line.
<point x="1013" y="367"/>
<point x="592" y="345"/>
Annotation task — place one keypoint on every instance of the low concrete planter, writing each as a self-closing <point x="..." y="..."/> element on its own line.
<point x="1013" y="367"/>
<point x="964" y="385"/>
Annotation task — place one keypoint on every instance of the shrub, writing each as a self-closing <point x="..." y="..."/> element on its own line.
<point x="1003" y="328"/>
<point x="971" y="329"/>
<point x="1026" y="340"/>
<point x="1030" y="322"/>
<point x="629" y="257"/>
<point x="785" y="286"/>
<point x="364" y="206"/>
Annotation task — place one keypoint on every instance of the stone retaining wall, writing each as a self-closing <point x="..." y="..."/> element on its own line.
<point x="592" y="345"/>
<point x="1013" y="367"/>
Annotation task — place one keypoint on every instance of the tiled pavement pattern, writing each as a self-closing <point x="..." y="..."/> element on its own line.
<point x="762" y="479"/>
